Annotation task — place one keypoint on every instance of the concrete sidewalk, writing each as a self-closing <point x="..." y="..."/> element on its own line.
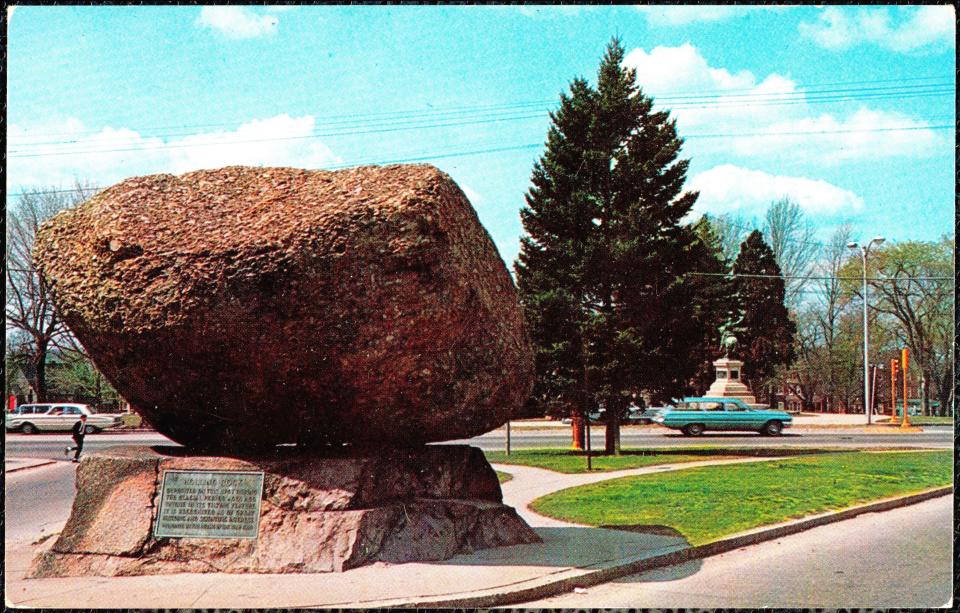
<point x="569" y="555"/>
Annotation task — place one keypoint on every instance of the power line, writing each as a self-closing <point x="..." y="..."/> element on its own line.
<point x="454" y="124"/>
<point x="360" y="162"/>
<point x="823" y="132"/>
<point x="275" y="139"/>
<point x="818" y="278"/>
<point x="698" y="100"/>
<point x="359" y="121"/>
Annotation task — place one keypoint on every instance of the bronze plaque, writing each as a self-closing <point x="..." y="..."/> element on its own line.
<point x="209" y="504"/>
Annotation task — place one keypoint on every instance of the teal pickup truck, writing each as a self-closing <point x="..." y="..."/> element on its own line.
<point x="695" y="415"/>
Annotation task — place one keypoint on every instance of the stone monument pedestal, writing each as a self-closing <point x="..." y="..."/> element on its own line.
<point x="729" y="383"/>
<point x="314" y="514"/>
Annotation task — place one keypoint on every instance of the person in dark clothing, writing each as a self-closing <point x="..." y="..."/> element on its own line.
<point x="79" y="430"/>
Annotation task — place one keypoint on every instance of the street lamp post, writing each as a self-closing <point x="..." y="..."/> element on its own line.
<point x="866" y="330"/>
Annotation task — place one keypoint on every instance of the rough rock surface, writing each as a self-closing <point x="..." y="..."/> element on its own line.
<point x="329" y="514"/>
<point x="246" y="307"/>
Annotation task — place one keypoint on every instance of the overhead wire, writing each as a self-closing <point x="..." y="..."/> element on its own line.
<point x="816" y="277"/>
<point x="17" y="154"/>
<point x="729" y="97"/>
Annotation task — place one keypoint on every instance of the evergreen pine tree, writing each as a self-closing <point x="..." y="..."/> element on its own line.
<point x="767" y="339"/>
<point x="550" y="267"/>
<point x="601" y="272"/>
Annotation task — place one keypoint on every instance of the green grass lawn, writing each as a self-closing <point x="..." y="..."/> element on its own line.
<point x="706" y="503"/>
<point x="920" y="420"/>
<point x="568" y="461"/>
<point x="932" y="420"/>
<point x="503" y="477"/>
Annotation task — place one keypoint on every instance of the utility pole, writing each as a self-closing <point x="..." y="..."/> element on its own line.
<point x="866" y="328"/>
<point x="893" y="391"/>
<point x="508" y="437"/>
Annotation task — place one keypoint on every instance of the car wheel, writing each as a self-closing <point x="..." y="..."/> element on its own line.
<point x="28" y="429"/>
<point x="90" y="430"/>
<point x="693" y="430"/>
<point x="773" y="428"/>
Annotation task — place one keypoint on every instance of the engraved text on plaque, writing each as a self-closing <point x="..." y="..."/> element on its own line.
<point x="209" y="504"/>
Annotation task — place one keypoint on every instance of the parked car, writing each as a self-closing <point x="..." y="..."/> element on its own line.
<point x="595" y="417"/>
<point x="646" y="415"/>
<point x="695" y="415"/>
<point x="635" y="415"/>
<point x="57" y="416"/>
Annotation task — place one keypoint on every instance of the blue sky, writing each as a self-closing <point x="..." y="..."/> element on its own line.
<point x="847" y="110"/>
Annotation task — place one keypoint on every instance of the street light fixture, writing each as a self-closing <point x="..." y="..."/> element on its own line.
<point x="866" y="330"/>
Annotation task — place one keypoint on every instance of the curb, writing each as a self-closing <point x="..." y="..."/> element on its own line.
<point x="664" y="557"/>
<point x="7" y="471"/>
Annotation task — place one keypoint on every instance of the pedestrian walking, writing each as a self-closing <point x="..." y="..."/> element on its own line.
<point x="79" y="430"/>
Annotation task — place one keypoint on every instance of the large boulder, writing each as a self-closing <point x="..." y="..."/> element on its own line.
<point x="247" y="307"/>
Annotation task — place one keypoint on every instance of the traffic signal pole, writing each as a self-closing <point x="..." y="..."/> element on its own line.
<point x="903" y="359"/>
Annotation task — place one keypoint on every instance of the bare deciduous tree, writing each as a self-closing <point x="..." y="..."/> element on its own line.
<point x="731" y="230"/>
<point x="791" y="238"/>
<point x="29" y="306"/>
<point x="832" y="303"/>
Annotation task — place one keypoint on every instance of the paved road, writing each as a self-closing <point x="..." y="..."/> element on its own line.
<point x="51" y="445"/>
<point x="899" y="558"/>
<point x="939" y="437"/>
<point x="37" y="501"/>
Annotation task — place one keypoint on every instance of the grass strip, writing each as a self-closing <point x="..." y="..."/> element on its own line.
<point x="928" y="420"/>
<point x="706" y="503"/>
<point x="503" y="477"/>
<point x="572" y="462"/>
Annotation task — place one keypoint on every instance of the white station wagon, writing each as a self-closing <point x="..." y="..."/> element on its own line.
<point x="57" y="416"/>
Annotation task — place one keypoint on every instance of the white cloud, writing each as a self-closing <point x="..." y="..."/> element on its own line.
<point x="743" y="191"/>
<point x="724" y="104"/>
<point x="237" y="21"/>
<point x="680" y="15"/>
<point x="674" y="74"/>
<point x="866" y="134"/>
<point x="277" y="141"/>
<point x="920" y="27"/>
<point x="108" y="155"/>
<point x="545" y="11"/>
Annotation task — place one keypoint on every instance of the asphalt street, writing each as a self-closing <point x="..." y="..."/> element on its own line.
<point x="930" y="437"/>
<point x="51" y="445"/>
<point x="37" y="501"/>
<point x="895" y="559"/>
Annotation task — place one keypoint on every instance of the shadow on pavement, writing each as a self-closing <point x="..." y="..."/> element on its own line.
<point x="581" y="547"/>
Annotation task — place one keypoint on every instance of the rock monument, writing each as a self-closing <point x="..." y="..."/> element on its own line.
<point x="728" y="383"/>
<point x="303" y="334"/>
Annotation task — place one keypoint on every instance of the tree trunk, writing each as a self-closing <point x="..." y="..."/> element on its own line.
<point x="40" y="366"/>
<point x="945" y="396"/>
<point x="612" y="436"/>
<point x="924" y="394"/>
